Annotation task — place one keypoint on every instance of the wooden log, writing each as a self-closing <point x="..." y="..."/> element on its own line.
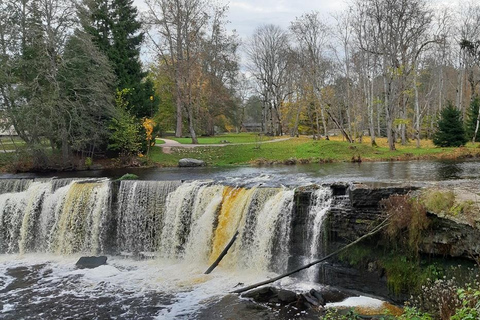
<point x="224" y="252"/>
<point x="258" y="284"/>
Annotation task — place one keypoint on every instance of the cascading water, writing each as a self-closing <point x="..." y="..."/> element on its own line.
<point x="192" y="221"/>
<point x="319" y="205"/>
<point x="139" y="214"/>
<point x="64" y="220"/>
<point x="185" y="224"/>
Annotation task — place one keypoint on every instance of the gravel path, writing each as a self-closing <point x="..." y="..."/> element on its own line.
<point x="169" y="144"/>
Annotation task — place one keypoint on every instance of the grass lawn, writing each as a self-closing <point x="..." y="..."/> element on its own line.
<point x="244" y="137"/>
<point x="7" y="143"/>
<point x="306" y="150"/>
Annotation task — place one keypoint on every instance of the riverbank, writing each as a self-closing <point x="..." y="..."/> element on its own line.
<point x="304" y="150"/>
<point x="252" y="150"/>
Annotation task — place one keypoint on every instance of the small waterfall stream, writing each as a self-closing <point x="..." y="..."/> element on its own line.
<point x="189" y="221"/>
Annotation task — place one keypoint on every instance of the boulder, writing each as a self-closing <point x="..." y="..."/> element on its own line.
<point x="286" y="296"/>
<point x="91" y="262"/>
<point x="262" y="294"/>
<point x="188" y="162"/>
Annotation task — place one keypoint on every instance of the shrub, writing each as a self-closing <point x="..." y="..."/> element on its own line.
<point x="438" y="201"/>
<point x="128" y="176"/>
<point x="408" y="218"/>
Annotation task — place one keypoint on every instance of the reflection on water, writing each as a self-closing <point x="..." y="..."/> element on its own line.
<point x="391" y="172"/>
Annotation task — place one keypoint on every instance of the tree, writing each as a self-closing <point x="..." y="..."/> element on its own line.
<point x="124" y="137"/>
<point x="396" y="32"/>
<point x="311" y="38"/>
<point x="472" y="119"/>
<point x="268" y="52"/>
<point x="116" y="30"/>
<point x="180" y="25"/>
<point x="450" y="131"/>
<point x="86" y="102"/>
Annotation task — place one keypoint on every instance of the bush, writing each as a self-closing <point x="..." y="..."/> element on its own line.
<point x="128" y="176"/>
<point x="448" y="299"/>
<point x="408" y="218"/>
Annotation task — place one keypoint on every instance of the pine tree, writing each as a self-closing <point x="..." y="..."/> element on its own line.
<point x="472" y="116"/>
<point x="116" y="31"/>
<point x="450" y="131"/>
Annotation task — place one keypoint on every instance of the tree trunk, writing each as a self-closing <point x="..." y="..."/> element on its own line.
<point x="191" y="125"/>
<point x="476" y="126"/>
<point x="375" y="230"/>
<point x="388" y="117"/>
<point x="179" y="127"/>
<point x="417" y="109"/>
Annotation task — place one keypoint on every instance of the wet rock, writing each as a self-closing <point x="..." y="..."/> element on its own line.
<point x="271" y="295"/>
<point x="330" y="295"/>
<point x="317" y="295"/>
<point x="263" y="294"/>
<point x="310" y="299"/>
<point x="365" y="196"/>
<point x="189" y="162"/>
<point x="286" y="296"/>
<point x="91" y="262"/>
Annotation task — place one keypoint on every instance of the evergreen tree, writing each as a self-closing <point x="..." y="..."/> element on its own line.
<point x="472" y="115"/>
<point x="87" y="97"/>
<point x="116" y="30"/>
<point x="450" y="131"/>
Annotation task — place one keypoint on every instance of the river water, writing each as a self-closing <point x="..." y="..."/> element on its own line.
<point x="47" y="224"/>
<point x="429" y="172"/>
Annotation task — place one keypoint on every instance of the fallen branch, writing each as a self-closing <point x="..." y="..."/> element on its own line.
<point x="375" y="230"/>
<point x="224" y="252"/>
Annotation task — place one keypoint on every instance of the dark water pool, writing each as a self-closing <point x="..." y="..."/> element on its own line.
<point x="382" y="172"/>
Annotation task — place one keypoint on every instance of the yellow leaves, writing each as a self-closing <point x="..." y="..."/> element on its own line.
<point x="148" y="124"/>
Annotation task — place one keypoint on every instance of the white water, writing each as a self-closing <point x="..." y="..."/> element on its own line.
<point x="185" y="225"/>
<point x="320" y="204"/>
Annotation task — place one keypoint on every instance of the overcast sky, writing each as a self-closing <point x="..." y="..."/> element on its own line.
<point x="246" y="15"/>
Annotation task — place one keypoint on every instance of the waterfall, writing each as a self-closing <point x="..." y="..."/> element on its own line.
<point x="190" y="221"/>
<point x="14" y="185"/>
<point x="320" y="202"/>
<point x="140" y="212"/>
<point x="66" y="220"/>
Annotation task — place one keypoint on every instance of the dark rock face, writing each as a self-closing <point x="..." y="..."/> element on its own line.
<point x="449" y="238"/>
<point x="355" y="210"/>
<point x="301" y="300"/>
<point x="91" y="262"/>
<point x="188" y="162"/>
<point x="364" y="196"/>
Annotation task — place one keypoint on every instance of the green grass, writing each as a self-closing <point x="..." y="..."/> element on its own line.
<point x="230" y="137"/>
<point x="305" y="150"/>
<point x="8" y="144"/>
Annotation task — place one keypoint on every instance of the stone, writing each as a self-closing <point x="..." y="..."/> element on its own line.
<point x="263" y="294"/>
<point x="91" y="262"/>
<point x="286" y="296"/>
<point x="311" y="299"/>
<point x="317" y="295"/>
<point x="189" y="162"/>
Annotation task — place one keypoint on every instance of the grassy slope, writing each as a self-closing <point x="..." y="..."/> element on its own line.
<point x="231" y="138"/>
<point x="304" y="150"/>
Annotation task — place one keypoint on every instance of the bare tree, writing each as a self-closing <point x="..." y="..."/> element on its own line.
<point x="395" y="31"/>
<point x="268" y="52"/>
<point x="180" y="24"/>
<point x="311" y="36"/>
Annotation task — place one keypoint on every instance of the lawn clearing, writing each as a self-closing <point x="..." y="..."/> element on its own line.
<point x="306" y="150"/>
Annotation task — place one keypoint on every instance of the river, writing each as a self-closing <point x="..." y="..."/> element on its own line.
<point x="180" y="227"/>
